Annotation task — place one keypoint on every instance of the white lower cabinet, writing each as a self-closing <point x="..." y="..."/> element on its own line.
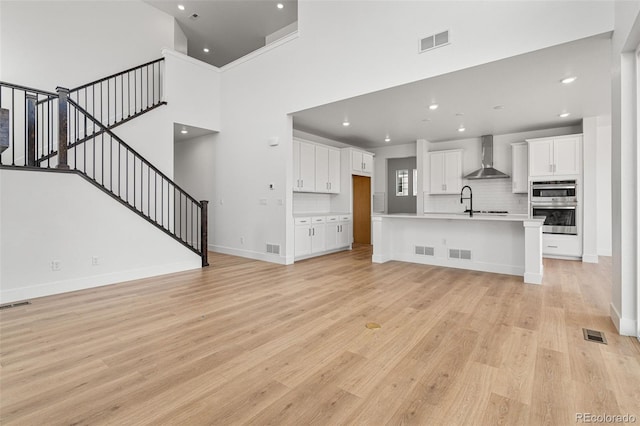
<point x="561" y="245"/>
<point x="319" y="234"/>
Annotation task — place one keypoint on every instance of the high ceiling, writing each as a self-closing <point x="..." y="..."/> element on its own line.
<point x="230" y="29"/>
<point x="517" y="94"/>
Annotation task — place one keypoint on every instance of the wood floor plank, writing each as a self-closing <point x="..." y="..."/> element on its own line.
<point x="248" y="342"/>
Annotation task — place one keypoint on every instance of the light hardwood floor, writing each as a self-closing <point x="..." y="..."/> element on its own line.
<point x="250" y="342"/>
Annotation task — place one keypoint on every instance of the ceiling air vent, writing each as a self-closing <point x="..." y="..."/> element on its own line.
<point x="433" y="41"/>
<point x="194" y="16"/>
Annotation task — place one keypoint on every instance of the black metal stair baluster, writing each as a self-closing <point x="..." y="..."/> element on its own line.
<point x="13" y="132"/>
<point x="135" y="92"/>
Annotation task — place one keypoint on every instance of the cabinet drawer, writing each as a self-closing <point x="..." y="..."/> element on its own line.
<point x="332" y="218"/>
<point x="561" y="245"/>
<point x="302" y="220"/>
<point x="345" y="218"/>
<point x="318" y="219"/>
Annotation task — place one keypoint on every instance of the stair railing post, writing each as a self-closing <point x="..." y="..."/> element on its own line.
<point x="204" y="234"/>
<point x="63" y="94"/>
<point x="31" y="129"/>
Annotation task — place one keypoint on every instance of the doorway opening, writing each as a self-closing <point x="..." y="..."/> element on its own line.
<point x="361" y="209"/>
<point x="402" y="176"/>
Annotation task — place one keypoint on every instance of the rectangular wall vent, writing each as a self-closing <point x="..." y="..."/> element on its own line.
<point x="273" y="248"/>
<point x="15" y="305"/>
<point x="424" y="250"/>
<point x="433" y="41"/>
<point x="460" y="254"/>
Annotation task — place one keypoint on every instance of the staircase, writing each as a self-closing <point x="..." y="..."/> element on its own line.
<point x="71" y="131"/>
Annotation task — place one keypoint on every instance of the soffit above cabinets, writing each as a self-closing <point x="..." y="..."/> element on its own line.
<point x="517" y="94"/>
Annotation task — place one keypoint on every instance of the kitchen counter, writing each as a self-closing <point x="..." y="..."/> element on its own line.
<point x="500" y="243"/>
<point x="465" y="216"/>
<point x="320" y="214"/>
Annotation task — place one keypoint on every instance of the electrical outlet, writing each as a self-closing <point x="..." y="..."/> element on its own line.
<point x="241" y="240"/>
<point x="263" y="201"/>
<point x="272" y="186"/>
<point x="56" y="265"/>
<point x="280" y="202"/>
<point x="95" y="261"/>
<point x="444" y="241"/>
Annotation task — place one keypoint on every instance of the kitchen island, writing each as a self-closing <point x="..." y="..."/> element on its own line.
<point x="500" y="243"/>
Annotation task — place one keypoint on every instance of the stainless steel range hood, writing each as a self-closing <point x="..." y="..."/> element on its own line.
<point x="487" y="171"/>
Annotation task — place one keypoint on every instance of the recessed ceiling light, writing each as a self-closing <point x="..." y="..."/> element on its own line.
<point x="461" y="129"/>
<point x="459" y="114"/>
<point x="564" y="115"/>
<point x="205" y="50"/>
<point x="498" y="107"/>
<point x="280" y="6"/>
<point x="433" y="106"/>
<point x="181" y="7"/>
<point x="568" y="80"/>
<point x="346" y="123"/>
<point x="184" y="131"/>
<point x="387" y="139"/>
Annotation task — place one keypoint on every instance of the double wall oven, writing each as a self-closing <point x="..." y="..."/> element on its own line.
<point x="557" y="201"/>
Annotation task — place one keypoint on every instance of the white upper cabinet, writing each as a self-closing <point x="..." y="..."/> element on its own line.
<point x="445" y="172"/>
<point x="316" y="168"/>
<point x="361" y="162"/>
<point x="334" y="171"/>
<point x="519" y="168"/>
<point x="327" y="169"/>
<point x="555" y="156"/>
<point x="304" y="158"/>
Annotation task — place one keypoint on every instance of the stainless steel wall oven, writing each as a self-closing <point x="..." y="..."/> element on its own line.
<point x="557" y="201"/>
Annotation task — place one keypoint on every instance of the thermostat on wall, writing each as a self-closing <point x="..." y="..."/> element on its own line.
<point x="274" y="141"/>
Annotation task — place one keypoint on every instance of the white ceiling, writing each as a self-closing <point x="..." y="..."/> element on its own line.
<point x="528" y="86"/>
<point x="229" y="28"/>
<point x="192" y="132"/>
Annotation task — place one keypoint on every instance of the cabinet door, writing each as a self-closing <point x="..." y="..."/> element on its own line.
<point x="307" y="167"/>
<point x="318" y="238"/>
<point x="519" y="169"/>
<point x="344" y="234"/>
<point x="334" y="171"/>
<point x="566" y="156"/>
<point x="356" y="161"/>
<point x="436" y="161"/>
<point x="296" y="165"/>
<point x="302" y="240"/>
<point x="322" y="169"/>
<point x="541" y="158"/>
<point x="331" y="235"/>
<point x="367" y="162"/>
<point x="452" y="172"/>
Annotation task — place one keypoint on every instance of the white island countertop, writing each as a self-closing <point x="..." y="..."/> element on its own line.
<point x="466" y="217"/>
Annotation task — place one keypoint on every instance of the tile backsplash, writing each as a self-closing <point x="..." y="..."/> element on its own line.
<point x="489" y="194"/>
<point x="311" y="203"/>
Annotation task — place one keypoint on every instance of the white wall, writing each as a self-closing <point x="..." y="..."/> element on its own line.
<point x="624" y="190"/>
<point x="180" y="41"/>
<point x="603" y="185"/>
<point x="193" y="160"/>
<point x="332" y="59"/>
<point x="68" y="43"/>
<point x="128" y="247"/>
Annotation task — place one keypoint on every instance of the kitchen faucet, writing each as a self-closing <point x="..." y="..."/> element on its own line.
<point x="470" y="198"/>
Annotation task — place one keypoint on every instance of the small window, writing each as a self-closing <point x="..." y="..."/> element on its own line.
<point x="402" y="183"/>
<point x="415" y="182"/>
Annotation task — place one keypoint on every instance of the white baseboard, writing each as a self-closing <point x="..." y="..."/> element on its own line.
<point x="625" y="326"/>
<point x="380" y="258"/>
<point x="590" y="258"/>
<point x="75" y="284"/>
<point x="461" y="264"/>
<point x="607" y="253"/>
<point x="250" y="254"/>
